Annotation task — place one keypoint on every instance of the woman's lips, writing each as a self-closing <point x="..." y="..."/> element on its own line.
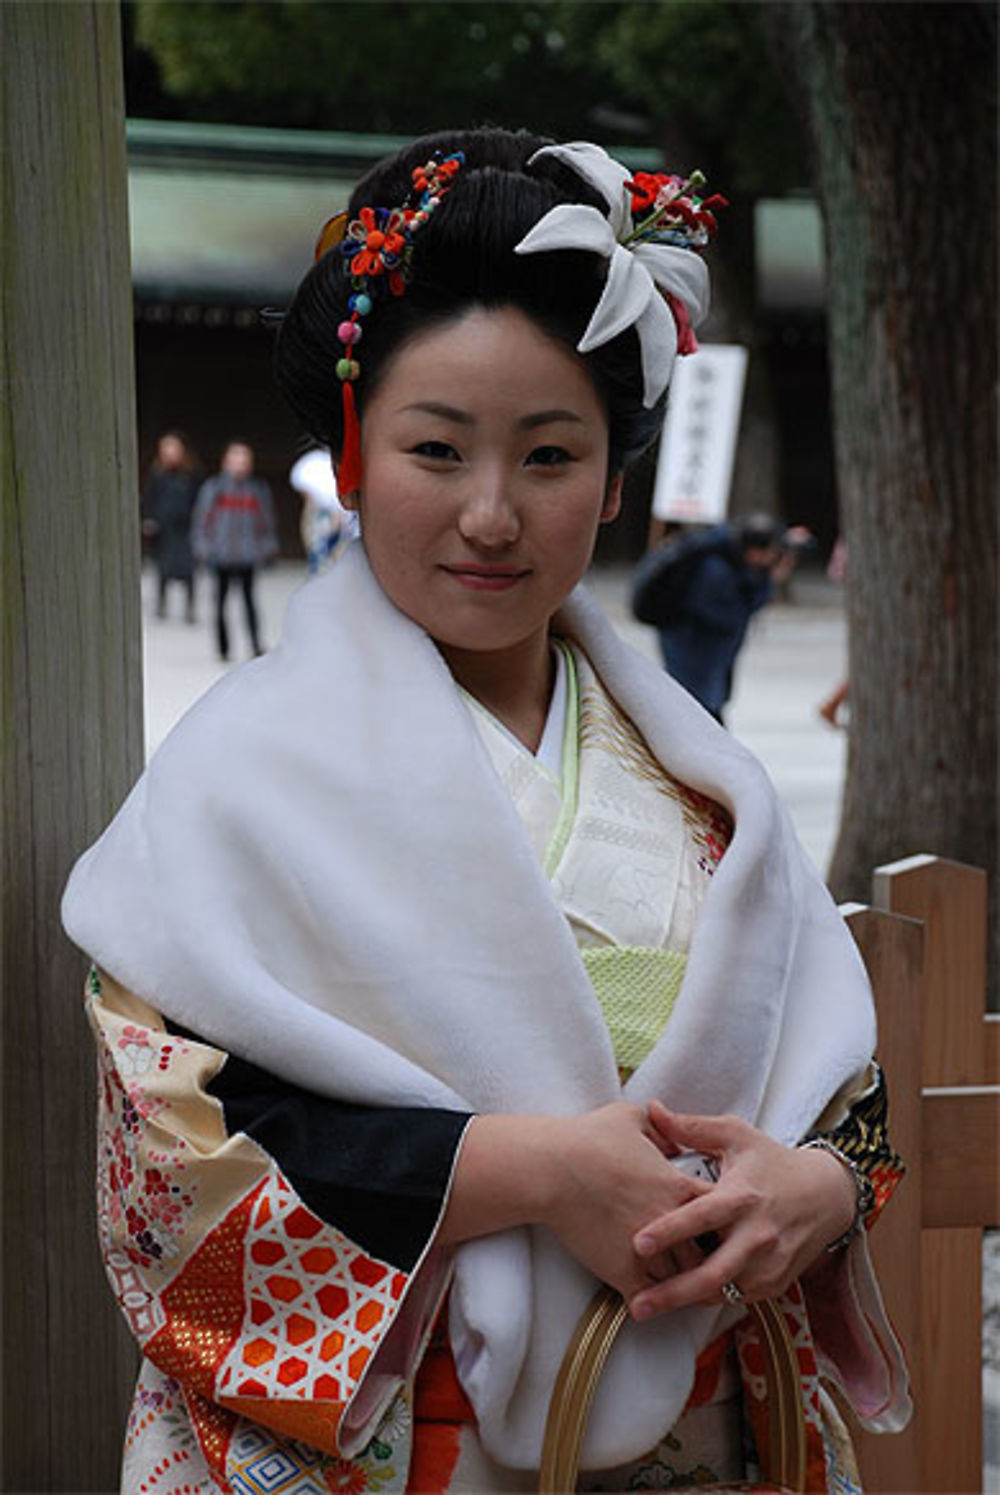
<point x="486" y="578"/>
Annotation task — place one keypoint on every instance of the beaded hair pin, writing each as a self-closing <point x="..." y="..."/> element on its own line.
<point x="377" y="247"/>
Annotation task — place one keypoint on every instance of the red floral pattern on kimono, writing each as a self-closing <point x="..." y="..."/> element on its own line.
<point x="255" y="1313"/>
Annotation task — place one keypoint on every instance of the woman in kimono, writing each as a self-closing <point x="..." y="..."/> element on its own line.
<point x="450" y="960"/>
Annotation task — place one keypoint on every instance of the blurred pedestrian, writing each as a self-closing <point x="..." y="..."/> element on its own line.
<point x="327" y="527"/>
<point x="729" y="573"/>
<point x="167" y="503"/>
<point x="233" y="531"/>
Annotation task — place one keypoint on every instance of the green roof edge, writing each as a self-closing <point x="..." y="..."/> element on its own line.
<point x="152" y="138"/>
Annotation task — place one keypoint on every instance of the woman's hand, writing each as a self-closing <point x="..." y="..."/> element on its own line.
<point x="774" y="1210"/>
<point x="612" y="1177"/>
<point x="594" y="1180"/>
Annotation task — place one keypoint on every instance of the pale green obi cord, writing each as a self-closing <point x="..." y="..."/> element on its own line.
<point x="637" y="989"/>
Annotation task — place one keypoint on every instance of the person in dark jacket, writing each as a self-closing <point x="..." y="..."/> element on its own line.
<point x="233" y="531"/>
<point x="167" y="502"/>
<point x="734" y="577"/>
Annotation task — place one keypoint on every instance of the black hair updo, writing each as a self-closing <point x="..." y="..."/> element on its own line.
<point x="463" y="258"/>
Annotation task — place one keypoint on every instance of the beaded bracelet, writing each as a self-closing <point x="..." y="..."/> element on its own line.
<point x="864" y="1193"/>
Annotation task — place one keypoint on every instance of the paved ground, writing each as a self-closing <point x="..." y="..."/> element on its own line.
<point x="794" y="655"/>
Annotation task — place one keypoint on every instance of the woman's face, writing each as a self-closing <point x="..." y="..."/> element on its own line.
<point x="485" y="453"/>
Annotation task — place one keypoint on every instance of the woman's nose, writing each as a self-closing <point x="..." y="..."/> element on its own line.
<point x="489" y="516"/>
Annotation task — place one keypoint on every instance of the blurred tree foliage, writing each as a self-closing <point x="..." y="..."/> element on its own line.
<point x="387" y="68"/>
<point x="703" y="70"/>
<point x="646" y="73"/>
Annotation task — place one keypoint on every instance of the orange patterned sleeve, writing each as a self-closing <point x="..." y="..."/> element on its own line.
<point x="257" y="1308"/>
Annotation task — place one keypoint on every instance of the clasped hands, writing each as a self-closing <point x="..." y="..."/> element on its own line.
<point x="624" y="1210"/>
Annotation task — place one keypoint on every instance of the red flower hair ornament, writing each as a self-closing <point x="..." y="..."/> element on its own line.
<point x="375" y="242"/>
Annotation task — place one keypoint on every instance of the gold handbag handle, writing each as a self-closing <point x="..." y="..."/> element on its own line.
<point x="581" y="1368"/>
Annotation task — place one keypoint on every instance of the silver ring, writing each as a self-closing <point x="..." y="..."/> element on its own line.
<point x="731" y="1293"/>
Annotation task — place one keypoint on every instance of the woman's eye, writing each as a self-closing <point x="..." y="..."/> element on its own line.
<point x="437" y="451"/>
<point x="549" y="456"/>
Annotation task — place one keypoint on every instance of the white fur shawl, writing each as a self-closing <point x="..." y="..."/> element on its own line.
<point x="321" y="872"/>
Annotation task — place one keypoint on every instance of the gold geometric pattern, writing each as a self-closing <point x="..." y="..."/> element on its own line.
<point x="603" y="724"/>
<point x="204" y="1306"/>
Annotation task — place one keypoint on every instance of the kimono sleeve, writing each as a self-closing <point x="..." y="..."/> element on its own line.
<point x="242" y="1290"/>
<point x="855" y="1344"/>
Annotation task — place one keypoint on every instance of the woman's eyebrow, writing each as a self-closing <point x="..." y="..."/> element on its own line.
<point x="549" y="417"/>
<point x="446" y="412"/>
<point x="464" y="418"/>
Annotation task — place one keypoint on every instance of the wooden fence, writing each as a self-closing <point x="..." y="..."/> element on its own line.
<point x="924" y="943"/>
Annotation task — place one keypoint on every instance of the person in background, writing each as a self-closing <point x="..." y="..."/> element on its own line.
<point x="738" y="568"/>
<point x="233" y="531"/>
<point x="167" y="501"/>
<point x="327" y="527"/>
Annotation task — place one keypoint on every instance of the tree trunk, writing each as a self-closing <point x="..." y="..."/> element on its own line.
<point x="72" y="710"/>
<point x="901" y="105"/>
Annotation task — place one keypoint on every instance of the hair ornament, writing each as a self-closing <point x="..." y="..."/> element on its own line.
<point x="377" y="247"/>
<point x="330" y="235"/>
<point x="375" y="243"/>
<point x="665" y="210"/>
<point x="654" y="282"/>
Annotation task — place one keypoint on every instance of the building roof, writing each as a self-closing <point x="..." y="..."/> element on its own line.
<point x="226" y="216"/>
<point x="229" y="216"/>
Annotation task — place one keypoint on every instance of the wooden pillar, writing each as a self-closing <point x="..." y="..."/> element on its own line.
<point x="72" y="708"/>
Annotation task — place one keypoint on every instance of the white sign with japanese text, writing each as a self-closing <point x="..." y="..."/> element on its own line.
<point x="695" y="465"/>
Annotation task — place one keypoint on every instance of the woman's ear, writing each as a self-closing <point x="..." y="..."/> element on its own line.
<point x="613" y="498"/>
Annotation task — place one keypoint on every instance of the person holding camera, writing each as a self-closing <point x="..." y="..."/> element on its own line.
<point x="729" y="575"/>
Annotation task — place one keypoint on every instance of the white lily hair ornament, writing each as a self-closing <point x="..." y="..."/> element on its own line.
<point x="653" y="224"/>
